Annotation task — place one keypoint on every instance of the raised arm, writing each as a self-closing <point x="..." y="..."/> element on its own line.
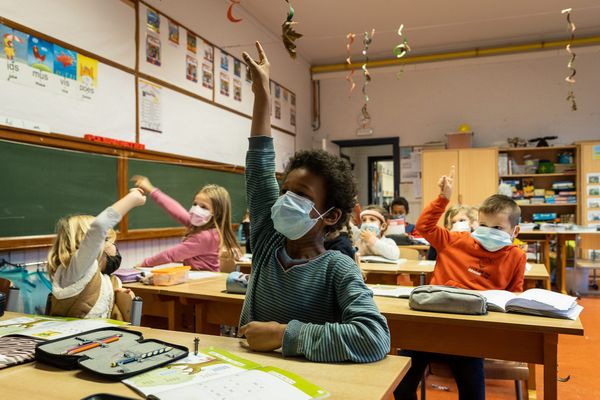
<point x="427" y="223"/>
<point x="167" y="203"/>
<point x="260" y="72"/>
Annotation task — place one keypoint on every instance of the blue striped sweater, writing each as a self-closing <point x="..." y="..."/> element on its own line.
<point x="329" y="310"/>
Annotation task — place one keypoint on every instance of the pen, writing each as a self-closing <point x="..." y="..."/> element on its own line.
<point x="93" y="344"/>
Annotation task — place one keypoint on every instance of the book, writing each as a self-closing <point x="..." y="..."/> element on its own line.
<point x="47" y="328"/>
<point x="379" y="259"/>
<point x="391" y="291"/>
<point x="534" y="301"/>
<point x="217" y="374"/>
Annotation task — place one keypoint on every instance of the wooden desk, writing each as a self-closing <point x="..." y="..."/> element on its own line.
<point x="345" y="381"/>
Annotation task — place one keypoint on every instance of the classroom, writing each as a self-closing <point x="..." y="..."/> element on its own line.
<point x="285" y="199"/>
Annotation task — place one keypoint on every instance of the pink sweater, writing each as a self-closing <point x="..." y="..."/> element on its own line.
<point x="200" y="250"/>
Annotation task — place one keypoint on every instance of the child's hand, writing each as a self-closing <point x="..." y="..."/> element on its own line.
<point x="128" y="291"/>
<point x="368" y="237"/>
<point x="445" y="183"/>
<point x="259" y="70"/>
<point x="143" y="183"/>
<point x="137" y="197"/>
<point x="263" y="336"/>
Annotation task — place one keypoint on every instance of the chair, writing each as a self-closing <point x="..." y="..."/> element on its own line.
<point x="493" y="369"/>
<point x="408" y="253"/>
<point x="227" y="263"/>
<point x="11" y="293"/>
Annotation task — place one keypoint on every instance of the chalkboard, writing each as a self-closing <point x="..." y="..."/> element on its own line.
<point x="42" y="184"/>
<point x="182" y="183"/>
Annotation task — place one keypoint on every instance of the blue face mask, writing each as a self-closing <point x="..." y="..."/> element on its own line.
<point x="491" y="239"/>
<point x="371" y="226"/>
<point x="291" y="215"/>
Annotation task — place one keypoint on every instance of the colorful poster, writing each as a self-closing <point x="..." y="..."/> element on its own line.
<point x="277" y="91"/>
<point x="285" y="95"/>
<point x="153" y="50"/>
<point x="191" y="42"/>
<point x="594" y="203"/>
<point x="237" y="90"/>
<point x="208" y="52"/>
<point x="207" y="76"/>
<point x="277" y="109"/>
<point x="224" y="62"/>
<point x="153" y="20"/>
<point x="593" y="190"/>
<point x="191" y="70"/>
<point x="65" y="62"/>
<point x="150" y="106"/>
<point x="248" y="75"/>
<point x="87" y="71"/>
<point x="237" y="68"/>
<point x="173" y="32"/>
<point x="20" y="42"/>
<point x="596" y="152"/>
<point x="224" y="84"/>
<point x="293" y="99"/>
<point x="293" y="117"/>
<point x="40" y="54"/>
<point x="594" y="216"/>
<point x="593" y="179"/>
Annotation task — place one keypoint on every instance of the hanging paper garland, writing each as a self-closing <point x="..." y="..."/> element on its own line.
<point x="401" y="50"/>
<point x="570" y="79"/>
<point x="288" y="34"/>
<point x="365" y="118"/>
<point x="350" y="36"/>
<point x="230" y="16"/>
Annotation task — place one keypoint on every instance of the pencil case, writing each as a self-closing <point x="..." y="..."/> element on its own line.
<point x="170" y="275"/>
<point x="447" y="299"/>
<point x="236" y="282"/>
<point x="112" y="353"/>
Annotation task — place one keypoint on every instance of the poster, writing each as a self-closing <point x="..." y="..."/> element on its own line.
<point x="237" y="68"/>
<point x="277" y="109"/>
<point x="593" y="190"/>
<point x="150" y="106"/>
<point x="207" y="76"/>
<point x="153" y="50"/>
<point x="224" y="62"/>
<point x="277" y="91"/>
<point x="594" y="217"/>
<point x="285" y="95"/>
<point x="293" y="99"/>
<point x="14" y="44"/>
<point x="87" y="71"/>
<point x="65" y="62"/>
<point x="596" y="152"/>
<point x="191" y="70"/>
<point x="593" y="179"/>
<point x="173" y="32"/>
<point x="248" y="74"/>
<point x="153" y="20"/>
<point x="293" y="117"/>
<point x="237" y="89"/>
<point x="40" y="54"/>
<point x="209" y="52"/>
<point x="593" y="203"/>
<point x="224" y="84"/>
<point x="191" y="42"/>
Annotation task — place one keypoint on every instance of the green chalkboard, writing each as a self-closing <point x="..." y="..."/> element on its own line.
<point x="39" y="185"/>
<point x="182" y="183"/>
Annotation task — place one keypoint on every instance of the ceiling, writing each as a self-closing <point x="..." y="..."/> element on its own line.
<point x="431" y="26"/>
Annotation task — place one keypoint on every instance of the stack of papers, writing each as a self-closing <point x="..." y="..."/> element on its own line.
<point x="379" y="259"/>
<point x="535" y="302"/>
<point x="391" y="291"/>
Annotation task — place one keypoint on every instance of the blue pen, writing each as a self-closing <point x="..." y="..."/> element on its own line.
<point x="123" y="361"/>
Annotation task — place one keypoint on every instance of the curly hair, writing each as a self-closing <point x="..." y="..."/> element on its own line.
<point x="337" y="174"/>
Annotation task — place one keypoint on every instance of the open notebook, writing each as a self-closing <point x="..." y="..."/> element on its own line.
<point x="533" y="301"/>
<point x="218" y="374"/>
<point x="391" y="290"/>
<point x="379" y="259"/>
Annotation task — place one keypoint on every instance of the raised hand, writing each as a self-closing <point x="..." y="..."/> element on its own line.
<point x="445" y="183"/>
<point x="259" y="70"/>
<point x="143" y="183"/>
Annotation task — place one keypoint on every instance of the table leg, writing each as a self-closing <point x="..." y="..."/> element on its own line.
<point x="550" y="366"/>
<point x="561" y="264"/>
<point x="422" y="279"/>
<point x="531" y="386"/>
<point x="546" y="250"/>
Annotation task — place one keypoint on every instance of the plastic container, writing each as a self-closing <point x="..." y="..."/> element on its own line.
<point x="460" y="140"/>
<point x="170" y="275"/>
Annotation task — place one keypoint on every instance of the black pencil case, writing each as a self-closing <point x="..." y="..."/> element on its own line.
<point x="129" y="355"/>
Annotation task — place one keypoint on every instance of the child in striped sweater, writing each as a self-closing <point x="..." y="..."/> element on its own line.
<point x="302" y="298"/>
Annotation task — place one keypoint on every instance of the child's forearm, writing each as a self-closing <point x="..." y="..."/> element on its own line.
<point x="261" y="115"/>
<point x="127" y="203"/>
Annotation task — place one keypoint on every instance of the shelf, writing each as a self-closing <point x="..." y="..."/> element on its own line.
<point x="517" y="149"/>
<point x="548" y="205"/>
<point x="557" y="174"/>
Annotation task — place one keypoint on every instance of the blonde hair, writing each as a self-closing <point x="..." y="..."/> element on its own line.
<point x="70" y="231"/>
<point x="470" y="212"/>
<point x="221" y="219"/>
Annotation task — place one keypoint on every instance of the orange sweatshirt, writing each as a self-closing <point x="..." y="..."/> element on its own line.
<point x="463" y="262"/>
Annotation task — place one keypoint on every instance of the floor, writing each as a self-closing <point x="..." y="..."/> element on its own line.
<point x="578" y="359"/>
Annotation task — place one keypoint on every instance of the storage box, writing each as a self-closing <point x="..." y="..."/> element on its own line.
<point x="459" y="140"/>
<point x="170" y="275"/>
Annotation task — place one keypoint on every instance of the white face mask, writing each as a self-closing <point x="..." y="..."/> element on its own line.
<point x="461" y="226"/>
<point x="492" y="239"/>
<point x="199" y="216"/>
<point x="291" y="215"/>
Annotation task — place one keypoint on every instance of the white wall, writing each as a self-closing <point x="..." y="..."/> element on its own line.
<point x="208" y="19"/>
<point x="503" y="96"/>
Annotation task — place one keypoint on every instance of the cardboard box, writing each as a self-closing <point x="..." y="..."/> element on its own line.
<point x="460" y="140"/>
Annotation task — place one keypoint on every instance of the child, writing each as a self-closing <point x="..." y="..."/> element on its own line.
<point x="458" y="218"/>
<point x="482" y="260"/>
<point x="399" y="209"/>
<point x="370" y="238"/>
<point x="340" y="240"/>
<point x="209" y="227"/>
<point x="81" y="259"/>
<point x="302" y="298"/>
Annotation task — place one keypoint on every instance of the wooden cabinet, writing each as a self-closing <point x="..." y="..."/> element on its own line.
<point x="476" y="175"/>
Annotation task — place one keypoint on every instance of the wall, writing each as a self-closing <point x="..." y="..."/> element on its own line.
<point x="503" y="96"/>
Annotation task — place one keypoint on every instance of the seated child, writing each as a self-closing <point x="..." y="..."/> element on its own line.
<point x="209" y="227"/>
<point x="399" y="209"/>
<point x="370" y="239"/>
<point x="484" y="259"/>
<point x="340" y="240"/>
<point x="458" y="218"/>
<point x="82" y="259"/>
<point x="302" y="298"/>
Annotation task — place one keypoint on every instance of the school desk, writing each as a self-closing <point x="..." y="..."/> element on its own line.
<point x="502" y="336"/>
<point x="344" y="380"/>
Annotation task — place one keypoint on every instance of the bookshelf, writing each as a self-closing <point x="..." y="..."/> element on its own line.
<point x="552" y="194"/>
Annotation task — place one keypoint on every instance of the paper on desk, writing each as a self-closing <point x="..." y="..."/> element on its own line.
<point x="47" y="328"/>
<point x="193" y="275"/>
<point x="527" y="267"/>
<point x="379" y="259"/>
<point x="427" y="263"/>
<point x="391" y="291"/>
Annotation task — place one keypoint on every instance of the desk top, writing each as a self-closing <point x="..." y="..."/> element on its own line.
<point x="344" y="381"/>
<point x="558" y="232"/>
<point x="392" y="308"/>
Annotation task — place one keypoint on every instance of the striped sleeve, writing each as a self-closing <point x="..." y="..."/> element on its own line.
<point x="362" y="335"/>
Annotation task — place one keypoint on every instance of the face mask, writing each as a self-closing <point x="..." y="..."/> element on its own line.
<point x="461" y="226"/>
<point x="291" y="215"/>
<point x="371" y="226"/>
<point x="398" y="216"/>
<point x="112" y="263"/>
<point x="491" y="239"/>
<point x="199" y="216"/>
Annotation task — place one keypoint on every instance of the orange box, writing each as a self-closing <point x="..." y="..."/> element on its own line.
<point x="459" y="140"/>
<point x="170" y="275"/>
